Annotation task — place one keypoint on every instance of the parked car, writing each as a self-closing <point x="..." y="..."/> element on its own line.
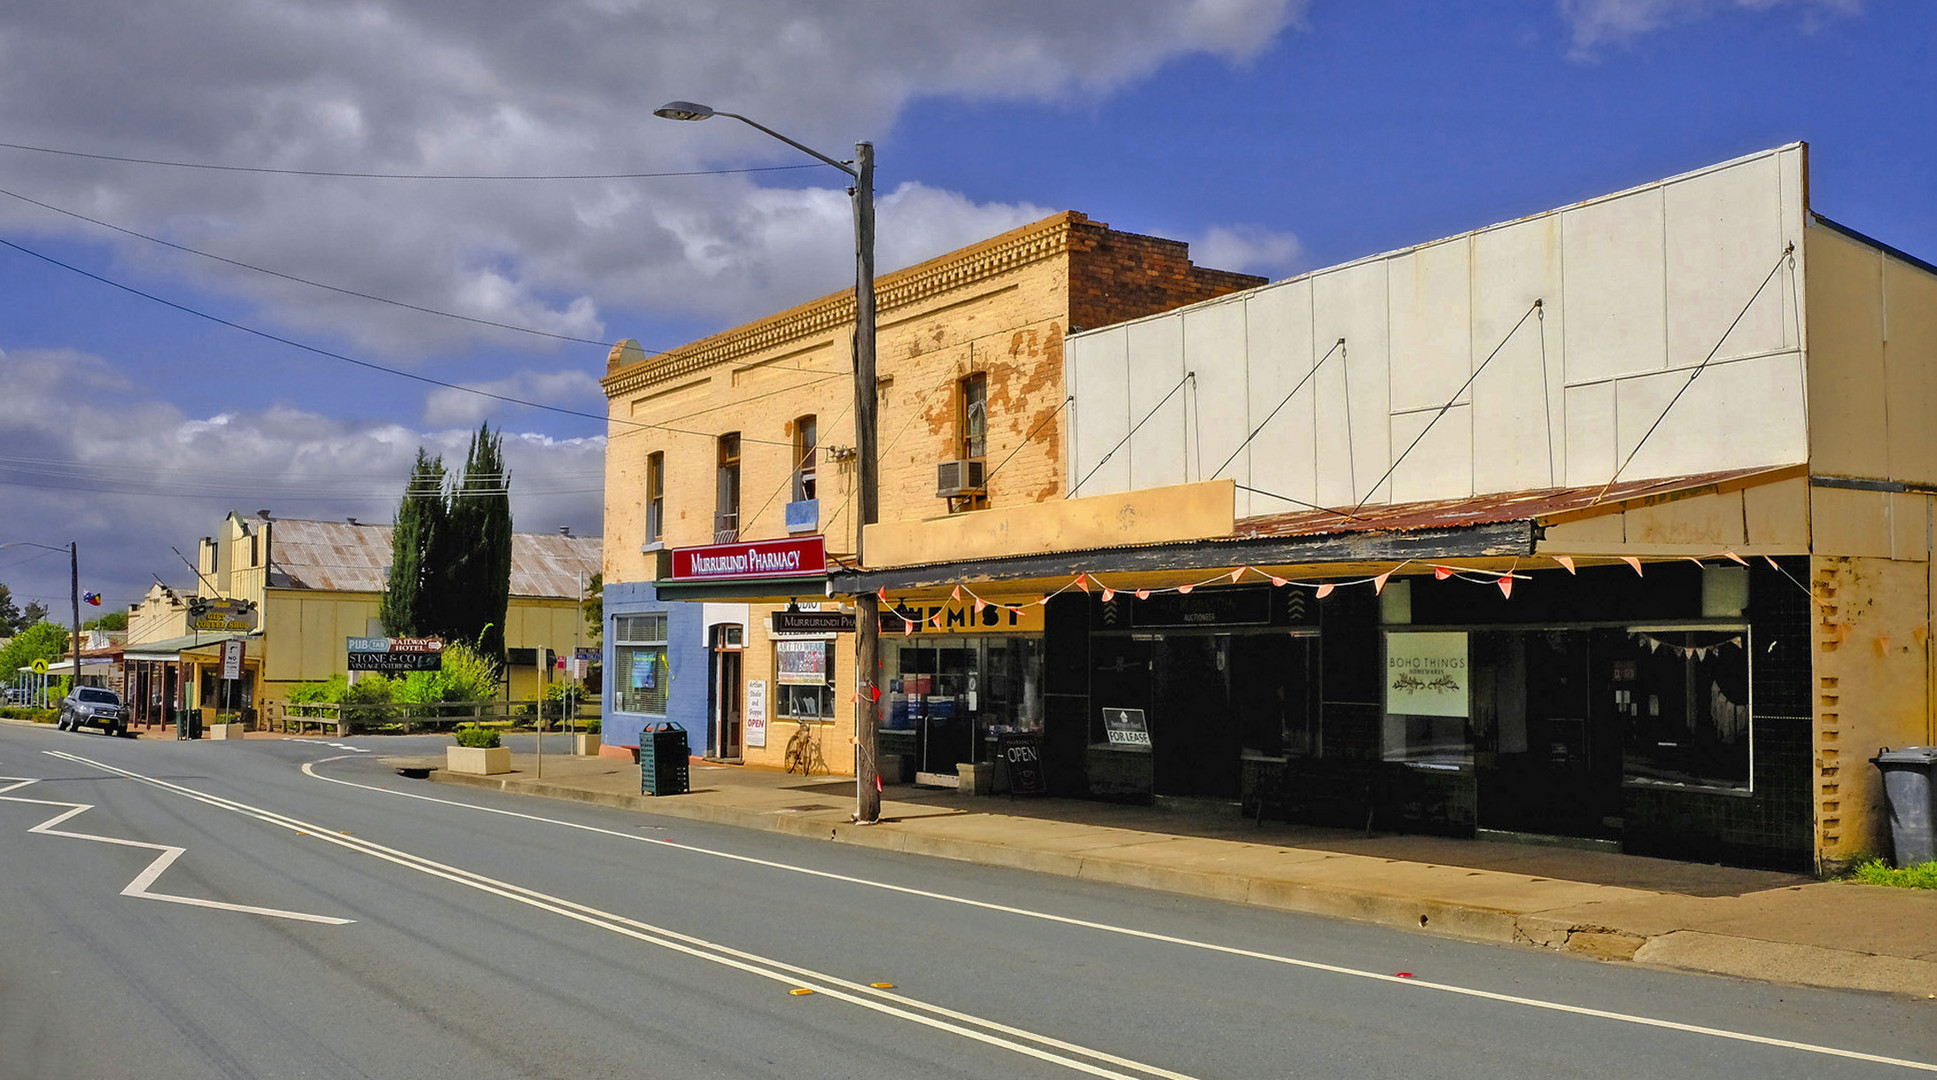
<point x="91" y="706"/>
<point x="13" y="695"/>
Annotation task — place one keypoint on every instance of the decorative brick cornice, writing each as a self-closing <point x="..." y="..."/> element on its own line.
<point x="991" y="258"/>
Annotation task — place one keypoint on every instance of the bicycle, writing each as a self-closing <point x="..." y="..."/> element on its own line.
<point x="804" y="750"/>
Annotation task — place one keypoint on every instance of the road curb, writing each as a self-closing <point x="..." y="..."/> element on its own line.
<point x="1681" y="950"/>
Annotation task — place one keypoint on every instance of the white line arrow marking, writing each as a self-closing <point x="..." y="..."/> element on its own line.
<point x="169" y="853"/>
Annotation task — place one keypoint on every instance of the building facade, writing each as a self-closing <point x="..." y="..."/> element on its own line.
<point x="747" y="437"/>
<point x="312" y="585"/>
<point x="1610" y="524"/>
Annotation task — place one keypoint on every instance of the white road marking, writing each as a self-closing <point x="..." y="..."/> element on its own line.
<point x="1002" y="1036"/>
<point x="1312" y="965"/>
<point x="139" y="887"/>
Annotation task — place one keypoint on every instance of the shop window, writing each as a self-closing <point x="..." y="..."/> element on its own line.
<point x="806" y="456"/>
<point x="655" y="497"/>
<point x="640" y="672"/>
<point x="726" y="517"/>
<point x="1428" y="694"/>
<point x="953" y="693"/>
<point x="803" y="680"/>
<point x="1274" y="692"/>
<point x="1683" y="696"/>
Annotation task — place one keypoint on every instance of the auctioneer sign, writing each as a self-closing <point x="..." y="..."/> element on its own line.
<point x="395" y="654"/>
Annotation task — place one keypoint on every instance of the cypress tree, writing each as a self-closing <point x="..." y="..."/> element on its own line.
<point x="410" y="595"/>
<point x="476" y="549"/>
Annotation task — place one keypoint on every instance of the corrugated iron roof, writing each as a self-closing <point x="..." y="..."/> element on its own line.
<point x="337" y="556"/>
<point x="1547" y="506"/>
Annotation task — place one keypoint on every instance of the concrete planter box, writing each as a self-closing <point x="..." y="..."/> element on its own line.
<point x="585" y="745"/>
<point x="226" y="731"/>
<point x="478" y="760"/>
<point x="975" y="779"/>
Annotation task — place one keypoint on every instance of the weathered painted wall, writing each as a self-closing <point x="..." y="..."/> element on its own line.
<point x="1184" y="512"/>
<point x="1637" y="290"/>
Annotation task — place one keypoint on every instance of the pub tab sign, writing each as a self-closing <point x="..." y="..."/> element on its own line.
<point x="804" y="556"/>
<point x="395" y="654"/>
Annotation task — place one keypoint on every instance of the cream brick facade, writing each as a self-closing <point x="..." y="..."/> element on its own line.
<point x="1000" y="308"/>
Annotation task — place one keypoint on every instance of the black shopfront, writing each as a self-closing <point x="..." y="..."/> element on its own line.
<point x="1662" y="713"/>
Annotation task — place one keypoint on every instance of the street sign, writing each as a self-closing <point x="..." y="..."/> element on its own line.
<point x="40" y="667"/>
<point x="232" y="658"/>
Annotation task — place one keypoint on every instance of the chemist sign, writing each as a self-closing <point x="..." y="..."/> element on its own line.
<point x="1426" y="674"/>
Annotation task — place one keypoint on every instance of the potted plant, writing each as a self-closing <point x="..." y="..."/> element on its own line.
<point x="228" y="725"/>
<point x="478" y="751"/>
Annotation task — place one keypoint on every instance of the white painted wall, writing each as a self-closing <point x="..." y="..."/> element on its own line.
<point x="1637" y="290"/>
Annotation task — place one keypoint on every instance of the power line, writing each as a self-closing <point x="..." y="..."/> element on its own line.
<point x="401" y="176"/>
<point x="301" y="280"/>
<point x="371" y="365"/>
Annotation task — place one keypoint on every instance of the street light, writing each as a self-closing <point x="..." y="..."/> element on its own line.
<point x="74" y="581"/>
<point x="867" y="610"/>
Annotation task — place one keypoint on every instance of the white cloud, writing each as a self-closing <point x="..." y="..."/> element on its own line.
<point x="1251" y="249"/>
<point x="85" y="455"/>
<point x="1599" y="22"/>
<point x="445" y="407"/>
<point x="497" y="87"/>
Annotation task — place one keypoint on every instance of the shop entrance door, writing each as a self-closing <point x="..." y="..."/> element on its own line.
<point x="1543" y="761"/>
<point x="1193" y="729"/>
<point x="725" y="688"/>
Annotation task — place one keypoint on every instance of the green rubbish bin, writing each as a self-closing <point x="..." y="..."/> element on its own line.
<point x="1908" y="787"/>
<point x="663" y="760"/>
<point x="188" y="724"/>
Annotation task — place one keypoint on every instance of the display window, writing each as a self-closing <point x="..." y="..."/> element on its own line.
<point x="1683" y="696"/>
<point x="956" y="693"/>
<point x="641" y="676"/>
<point x="804" y="680"/>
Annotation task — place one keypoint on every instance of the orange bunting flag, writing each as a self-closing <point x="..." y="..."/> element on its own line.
<point x="1043" y="602"/>
<point x="874" y="690"/>
<point x="1109" y="594"/>
<point x="1506" y="585"/>
<point x="980" y="604"/>
<point x="907" y="627"/>
<point x="956" y="595"/>
<point x="1441" y="573"/>
<point x="1236" y="574"/>
<point x="1325" y="590"/>
<point x="1278" y="581"/>
<point x="882" y="593"/>
<point x="1083" y="582"/>
<point x="1771" y="562"/>
<point x="1566" y="561"/>
<point x="1378" y="583"/>
<point x="1143" y="594"/>
<point x="935" y="620"/>
<point x="1634" y="562"/>
<point x="1735" y="558"/>
<point x="1184" y="590"/>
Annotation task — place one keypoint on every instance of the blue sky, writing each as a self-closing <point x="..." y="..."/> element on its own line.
<point x="1275" y="135"/>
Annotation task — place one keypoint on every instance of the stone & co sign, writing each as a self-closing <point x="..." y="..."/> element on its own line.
<point x="395" y="654"/>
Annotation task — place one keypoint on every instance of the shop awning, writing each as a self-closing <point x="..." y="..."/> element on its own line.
<point x="172" y="648"/>
<point x="1490" y="530"/>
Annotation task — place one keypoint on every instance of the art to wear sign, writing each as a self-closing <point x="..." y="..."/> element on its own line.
<point x="800" y="663"/>
<point x="1427" y="674"/>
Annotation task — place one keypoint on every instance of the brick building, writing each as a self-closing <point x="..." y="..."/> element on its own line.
<point x="749" y="435"/>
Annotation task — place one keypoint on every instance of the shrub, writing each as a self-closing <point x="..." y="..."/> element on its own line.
<point x="589" y="727"/>
<point x="38" y="716"/>
<point x="480" y="738"/>
<point x="328" y="692"/>
<point x="1879" y="872"/>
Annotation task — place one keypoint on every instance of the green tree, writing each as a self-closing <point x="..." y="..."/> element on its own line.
<point x="113" y="620"/>
<point x="594" y="601"/>
<point x="10" y="621"/>
<point x="475" y="550"/>
<point x="41" y="641"/>
<point x="411" y="596"/>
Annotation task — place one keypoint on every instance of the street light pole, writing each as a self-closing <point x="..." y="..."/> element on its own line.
<point x="73" y="550"/>
<point x="867" y="609"/>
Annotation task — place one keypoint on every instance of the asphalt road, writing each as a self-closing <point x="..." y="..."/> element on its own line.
<point x="323" y="917"/>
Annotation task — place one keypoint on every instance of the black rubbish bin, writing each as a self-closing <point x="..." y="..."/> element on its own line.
<point x="663" y="760"/>
<point x="188" y="724"/>
<point x="1908" y="786"/>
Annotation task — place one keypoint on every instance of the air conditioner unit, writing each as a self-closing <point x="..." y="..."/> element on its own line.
<point x="965" y="477"/>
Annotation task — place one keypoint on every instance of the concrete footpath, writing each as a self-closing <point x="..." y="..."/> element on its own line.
<point x="1746" y="923"/>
